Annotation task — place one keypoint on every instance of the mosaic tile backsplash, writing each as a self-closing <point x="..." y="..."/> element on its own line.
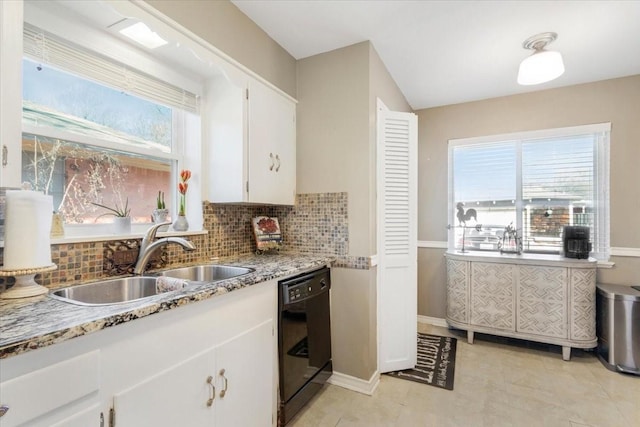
<point x="317" y="223"/>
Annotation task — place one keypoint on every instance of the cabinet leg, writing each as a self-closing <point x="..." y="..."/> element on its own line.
<point x="470" y="337"/>
<point x="566" y="353"/>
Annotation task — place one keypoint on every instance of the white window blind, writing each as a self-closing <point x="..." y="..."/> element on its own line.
<point x="49" y="49"/>
<point x="485" y="172"/>
<point x="539" y="181"/>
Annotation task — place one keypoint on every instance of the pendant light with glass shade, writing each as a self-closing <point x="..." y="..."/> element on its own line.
<point x="543" y="65"/>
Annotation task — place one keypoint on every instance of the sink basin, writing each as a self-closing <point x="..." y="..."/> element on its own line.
<point x="107" y="292"/>
<point x="206" y="273"/>
<point x="126" y="289"/>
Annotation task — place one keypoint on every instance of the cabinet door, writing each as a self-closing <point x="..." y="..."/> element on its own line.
<point x="493" y="295"/>
<point x="542" y="301"/>
<point x="271" y="136"/>
<point x="458" y="291"/>
<point x="583" y="303"/>
<point x="175" y="397"/>
<point x="11" y="13"/>
<point x="244" y="378"/>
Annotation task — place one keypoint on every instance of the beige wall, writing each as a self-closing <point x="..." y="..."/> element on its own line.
<point x="353" y="328"/>
<point x="224" y="26"/>
<point x="333" y="133"/>
<point x="336" y="143"/>
<point x="383" y="87"/>
<point x="616" y="101"/>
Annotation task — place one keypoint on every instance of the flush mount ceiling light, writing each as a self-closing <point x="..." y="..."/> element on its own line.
<point x="543" y="65"/>
<point x="142" y="34"/>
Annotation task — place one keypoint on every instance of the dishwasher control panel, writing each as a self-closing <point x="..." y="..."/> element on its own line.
<point x="305" y="286"/>
<point x="300" y="291"/>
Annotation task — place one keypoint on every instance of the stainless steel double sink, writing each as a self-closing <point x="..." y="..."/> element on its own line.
<point x="127" y="289"/>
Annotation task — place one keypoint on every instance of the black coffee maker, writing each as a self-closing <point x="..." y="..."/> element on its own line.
<point x="576" y="241"/>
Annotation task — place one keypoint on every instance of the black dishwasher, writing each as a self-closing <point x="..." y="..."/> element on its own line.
<point x="304" y="339"/>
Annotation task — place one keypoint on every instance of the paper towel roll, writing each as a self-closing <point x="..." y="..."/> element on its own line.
<point x="27" y="243"/>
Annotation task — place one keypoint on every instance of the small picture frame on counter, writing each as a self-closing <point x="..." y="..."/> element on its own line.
<point x="267" y="233"/>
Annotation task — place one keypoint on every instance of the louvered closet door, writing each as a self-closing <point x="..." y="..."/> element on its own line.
<point x="397" y="240"/>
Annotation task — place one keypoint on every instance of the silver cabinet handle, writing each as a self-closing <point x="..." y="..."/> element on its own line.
<point x="278" y="159"/>
<point x="5" y="154"/>
<point x="3" y="410"/>
<point x="212" y="396"/>
<point x="226" y="384"/>
<point x="272" y="163"/>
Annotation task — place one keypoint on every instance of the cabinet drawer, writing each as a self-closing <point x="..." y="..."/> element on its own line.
<point x="87" y="418"/>
<point x="34" y="394"/>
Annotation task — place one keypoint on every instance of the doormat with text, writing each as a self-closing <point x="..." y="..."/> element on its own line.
<point x="436" y="362"/>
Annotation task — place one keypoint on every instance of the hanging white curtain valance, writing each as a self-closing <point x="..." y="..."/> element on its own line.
<point x="49" y="49"/>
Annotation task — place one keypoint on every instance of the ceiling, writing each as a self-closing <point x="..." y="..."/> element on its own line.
<point x="448" y="52"/>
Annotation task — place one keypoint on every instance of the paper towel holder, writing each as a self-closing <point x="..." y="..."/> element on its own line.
<point x="25" y="285"/>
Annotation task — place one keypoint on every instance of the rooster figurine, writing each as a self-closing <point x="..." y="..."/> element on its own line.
<point x="463" y="216"/>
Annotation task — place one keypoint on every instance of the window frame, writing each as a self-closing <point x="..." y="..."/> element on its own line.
<point x="186" y="124"/>
<point x="601" y="237"/>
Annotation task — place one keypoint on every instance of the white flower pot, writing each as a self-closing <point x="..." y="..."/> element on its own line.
<point x="160" y="216"/>
<point x="121" y="225"/>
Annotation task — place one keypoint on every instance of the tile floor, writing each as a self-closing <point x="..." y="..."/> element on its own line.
<point x="498" y="383"/>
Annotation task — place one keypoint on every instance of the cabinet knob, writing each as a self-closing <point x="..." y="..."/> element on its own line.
<point x="212" y="396"/>
<point x="272" y="162"/>
<point x="3" y="410"/>
<point x="226" y="383"/>
<point x="278" y="159"/>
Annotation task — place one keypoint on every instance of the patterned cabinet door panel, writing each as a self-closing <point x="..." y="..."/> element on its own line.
<point x="542" y="301"/>
<point x="493" y="295"/>
<point x="458" y="290"/>
<point x="582" y="290"/>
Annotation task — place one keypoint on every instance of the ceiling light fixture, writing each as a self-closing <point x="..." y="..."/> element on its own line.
<point x="142" y="34"/>
<point x="543" y="65"/>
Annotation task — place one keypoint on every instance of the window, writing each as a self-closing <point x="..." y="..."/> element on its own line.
<point x="536" y="182"/>
<point x="98" y="131"/>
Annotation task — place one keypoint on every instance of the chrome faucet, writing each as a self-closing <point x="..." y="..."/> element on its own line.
<point x="150" y="244"/>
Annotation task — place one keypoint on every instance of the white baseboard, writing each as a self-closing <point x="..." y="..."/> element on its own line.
<point x="356" y="384"/>
<point x="435" y="321"/>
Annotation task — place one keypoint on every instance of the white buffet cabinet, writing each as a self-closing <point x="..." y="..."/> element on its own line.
<point x="543" y="298"/>
<point x="208" y="363"/>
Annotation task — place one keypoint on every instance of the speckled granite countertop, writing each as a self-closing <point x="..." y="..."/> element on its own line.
<point x="38" y="322"/>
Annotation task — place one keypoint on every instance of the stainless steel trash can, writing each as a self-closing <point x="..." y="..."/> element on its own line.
<point x="618" y="327"/>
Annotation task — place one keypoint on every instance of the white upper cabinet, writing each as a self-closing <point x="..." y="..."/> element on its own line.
<point x="251" y="142"/>
<point x="11" y="89"/>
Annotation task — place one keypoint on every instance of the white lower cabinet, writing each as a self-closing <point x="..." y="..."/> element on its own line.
<point x="85" y="418"/>
<point x="176" y="396"/>
<point x="153" y="371"/>
<point x="40" y="397"/>
<point x="227" y="385"/>
<point x="244" y="378"/>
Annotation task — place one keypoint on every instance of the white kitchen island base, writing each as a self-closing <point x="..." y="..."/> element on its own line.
<point x="542" y="298"/>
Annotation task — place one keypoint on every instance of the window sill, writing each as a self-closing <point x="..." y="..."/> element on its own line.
<point x="110" y="237"/>
<point x="606" y="264"/>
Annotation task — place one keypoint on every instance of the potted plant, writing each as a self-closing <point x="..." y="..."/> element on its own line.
<point x="181" y="223"/>
<point x="121" y="218"/>
<point x="161" y="213"/>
